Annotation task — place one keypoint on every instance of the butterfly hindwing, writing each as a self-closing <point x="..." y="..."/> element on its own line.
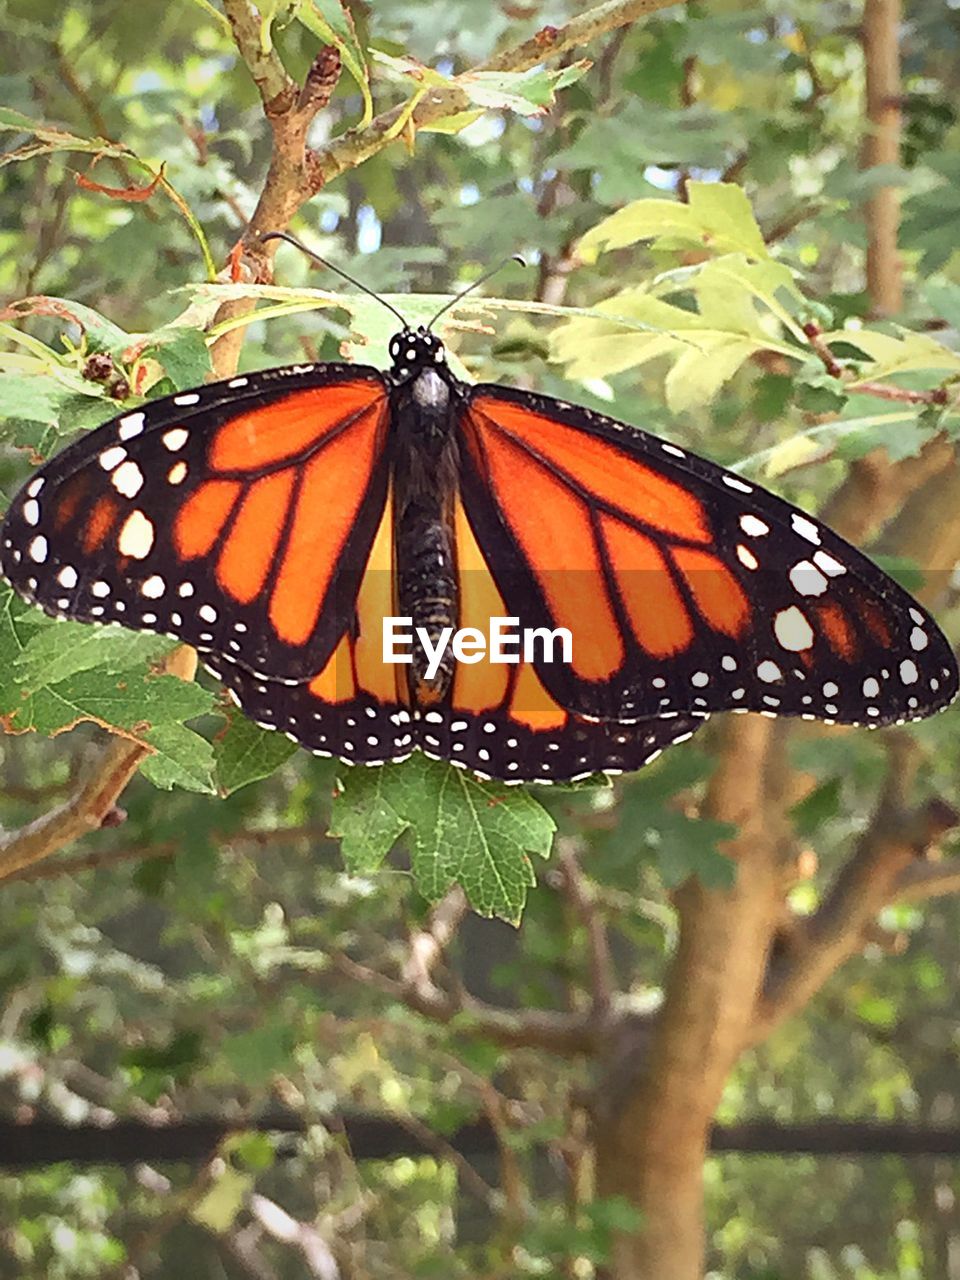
<point x="685" y="588"/>
<point x="237" y="517"/>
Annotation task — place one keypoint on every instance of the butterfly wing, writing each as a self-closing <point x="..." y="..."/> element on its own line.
<point x="685" y="588"/>
<point x="355" y="705"/>
<point x="238" y="517"/>
<point x="495" y="719"/>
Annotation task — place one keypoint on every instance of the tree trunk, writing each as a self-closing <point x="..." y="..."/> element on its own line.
<point x="654" y="1110"/>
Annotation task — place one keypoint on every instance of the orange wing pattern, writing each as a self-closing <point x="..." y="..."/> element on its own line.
<point x="685" y="588"/>
<point x="239" y="517"/>
<point x="495" y="719"/>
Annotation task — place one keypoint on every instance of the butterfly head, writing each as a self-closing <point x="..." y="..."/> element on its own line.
<point x="413" y="350"/>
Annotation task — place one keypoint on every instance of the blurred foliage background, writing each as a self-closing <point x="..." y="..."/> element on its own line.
<point x="199" y="963"/>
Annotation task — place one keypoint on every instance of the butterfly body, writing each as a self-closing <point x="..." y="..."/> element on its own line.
<point x="277" y="521"/>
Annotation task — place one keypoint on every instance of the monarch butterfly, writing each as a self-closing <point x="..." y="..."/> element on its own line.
<point x="275" y="520"/>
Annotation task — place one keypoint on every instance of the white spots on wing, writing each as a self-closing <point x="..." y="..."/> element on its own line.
<point x="728" y="662"/>
<point x="131" y="425"/>
<point x="769" y="672"/>
<point x="237" y="382"/>
<point x="207" y="612"/>
<point x="34" y="487"/>
<point x="175" y="438"/>
<point x="753" y="526"/>
<point x="153" y="587"/>
<point x="740" y="485"/>
<point x="136" y="536"/>
<point x="177" y="473"/>
<point x="806" y="528"/>
<point x="699" y="679"/>
<point x="807" y="580"/>
<point x="127" y="479"/>
<point x="67" y="577"/>
<point x="830" y="690"/>
<point x="188" y="397"/>
<point x="747" y="558"/>
<point x="792" y="630"/>
<point x="870" y="687"/>
<point x="658" y="682"/>
<point x="112" y="457"/>
<point x="31" y="511"/>
<point x="831" y="567"/>
<point x="672" y="450"/>
<point x="918" y="617"/>
<point x="908" y="671"/>
<point x="37" y="550"/>
<point x="918" y="639"/>
<point x="185" y="590"/>
<point x="100" y="589"/>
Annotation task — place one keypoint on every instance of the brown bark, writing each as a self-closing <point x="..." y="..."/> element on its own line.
<point x="881" y="34"/>
<point x="654" y="1117"/>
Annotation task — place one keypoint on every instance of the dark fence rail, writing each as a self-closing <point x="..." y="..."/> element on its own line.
<point x="43" y="1142"/>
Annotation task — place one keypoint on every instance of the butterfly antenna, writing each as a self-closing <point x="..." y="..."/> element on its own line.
<point x="514" y="257"/>
<point x="344" y="275"/>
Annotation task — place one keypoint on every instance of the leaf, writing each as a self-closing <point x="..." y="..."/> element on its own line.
<point x="100" y="334"/>
<point x="330" y="21"/>
<point x="184" y="354"/>
<point x="61" y="649"/>
<point x="525" y="92"/>
<point x="476" y="834"/>
<point x="40" y="397"/>
<point x="180" y="758"/>
<point x="718" y="217"/>
<point x="245" y="753"/>
<point x="702" y="357"/>
<point x="890" y="355"/>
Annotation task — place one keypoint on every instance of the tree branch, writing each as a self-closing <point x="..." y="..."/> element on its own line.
<point x="881" y="51"/>
<point x="583" y="899"/>
<point x="90" y="807"/>
<point x="896" y="839"/>
<point x="566" y="1034"/>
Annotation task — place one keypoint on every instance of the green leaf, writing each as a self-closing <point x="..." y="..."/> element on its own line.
<point x="61" y="649"/>
<point x="717" y="217"/>
<point x="525" y="92"/>
<point x="891" y="355"/>
<point x="180" y="758"/>
<point x="245" y="753"/>
<point x="47" y="399"/>
<point x="642" y="328"/>
<point x="255" y="1055"/>
<point x="476" y="834"/>
<point x="330" y="21"/>
<point x="184" y="354"/>
<point x="99" y="333"/>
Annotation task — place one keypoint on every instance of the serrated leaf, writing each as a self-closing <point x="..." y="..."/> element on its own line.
<point x="476" y="834"/>
<point x="891" y="355"/>
<point x="718" y="217"/>
<point x="702" y="357"/>
<point x="524" y="92"/>
<point x="100" y="334"/>
<point x="245" y="753"/>
<point x="184" y="354"/>
<point x="64" y="648"/>
<point x="44" y="398"/>
<point x="181" y="758"/>
<point x="331" y="22"/>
